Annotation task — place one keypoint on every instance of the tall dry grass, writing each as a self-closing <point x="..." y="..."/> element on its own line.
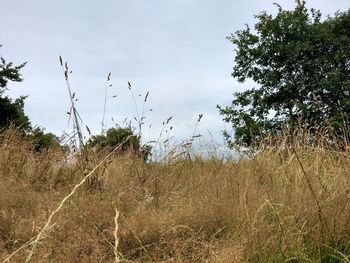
<point x="281" y="204"/>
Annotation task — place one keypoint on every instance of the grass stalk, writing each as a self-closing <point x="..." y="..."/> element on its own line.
<point x="73" y="111"/>
<point x="116" y="239"/>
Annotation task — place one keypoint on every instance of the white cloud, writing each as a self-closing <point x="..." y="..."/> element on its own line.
<point x="175" y="49"/>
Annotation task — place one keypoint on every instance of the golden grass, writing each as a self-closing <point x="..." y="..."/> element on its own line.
<point x="285" y="204"/>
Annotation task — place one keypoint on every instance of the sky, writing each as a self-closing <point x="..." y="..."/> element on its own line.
<point x="175" y="50"/>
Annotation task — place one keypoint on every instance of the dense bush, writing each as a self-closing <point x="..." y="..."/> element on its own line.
<point x="113" y="137"/>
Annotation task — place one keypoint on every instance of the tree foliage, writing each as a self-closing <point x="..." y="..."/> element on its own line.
<point x="301" y="65"/>
<point x="125" y="137"/>
<point x="11" y="111"/>
<point x="9" y="72"/>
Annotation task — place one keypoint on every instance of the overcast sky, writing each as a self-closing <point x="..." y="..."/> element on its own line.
<point x="177" y="50"/>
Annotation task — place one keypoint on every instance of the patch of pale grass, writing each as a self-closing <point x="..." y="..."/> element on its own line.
<point x="277" y="205"/>
<point x="66" y="198"/>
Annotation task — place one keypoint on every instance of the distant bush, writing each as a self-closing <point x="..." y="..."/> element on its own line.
<point x="116" y="136"/>
<point x="43" y="141"/>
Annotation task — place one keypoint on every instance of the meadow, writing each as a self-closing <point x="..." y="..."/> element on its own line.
<point x="112" y="196"/>
<point x="282" y="203"/>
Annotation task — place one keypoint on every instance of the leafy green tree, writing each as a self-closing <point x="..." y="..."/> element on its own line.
<point x="11" y="111"/>
<point x="124" y="137"/>
<point x="301" y="65"/>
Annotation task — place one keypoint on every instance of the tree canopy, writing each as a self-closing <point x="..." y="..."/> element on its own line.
<point x="11" y="111"/>
<point x="301" y="66"/>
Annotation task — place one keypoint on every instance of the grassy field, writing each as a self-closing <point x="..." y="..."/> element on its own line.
<point x="284" y="204"/>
